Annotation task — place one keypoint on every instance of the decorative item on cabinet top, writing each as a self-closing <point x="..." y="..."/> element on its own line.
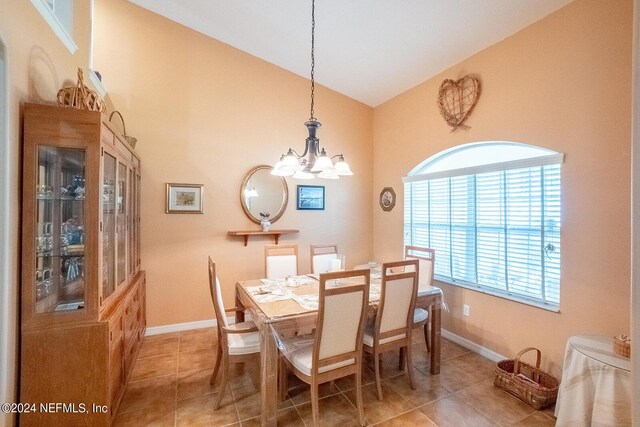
<point x="456" y="99"/>
<point x="80" y="96"/>
<point x="130" y="139"/>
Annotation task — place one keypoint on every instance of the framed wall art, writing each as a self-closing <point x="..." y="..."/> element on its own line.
<point x="387" y="199"/>
<point x="310" y="197"/>
<point x="185" y="198"/>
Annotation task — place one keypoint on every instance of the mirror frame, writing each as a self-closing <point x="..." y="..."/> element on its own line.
<point x="285" y="194"/>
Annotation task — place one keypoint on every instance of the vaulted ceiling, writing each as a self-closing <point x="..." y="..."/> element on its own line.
<point x="369" y="50"/>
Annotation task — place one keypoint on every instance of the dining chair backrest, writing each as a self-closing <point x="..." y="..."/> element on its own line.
<point x="321" y="257"/>
<point x="397" y="299"/>
<point x="342" y="312"/>
<point x="426" y="258"/>
<point x="280" y="261"/>
<point x="216" y="294"/>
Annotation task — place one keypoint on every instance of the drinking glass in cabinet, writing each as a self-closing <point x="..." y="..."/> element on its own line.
<point x="60" y="217"/>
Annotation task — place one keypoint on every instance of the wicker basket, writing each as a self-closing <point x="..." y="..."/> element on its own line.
<point x="80" y="96"/>
<point x="131" y="140"/>
<point x="527" y="383"/>
<point x="622" y="345"/>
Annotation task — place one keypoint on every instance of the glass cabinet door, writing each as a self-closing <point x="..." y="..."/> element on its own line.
<point x="137" y="220"/>
<point x="131" y="263"/>
<point x="121" y="224"/>
<point x="108" y="225"/>
<point x="60" y="220"/>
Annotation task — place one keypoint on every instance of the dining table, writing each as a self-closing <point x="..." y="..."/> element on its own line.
<point x="290" y="307"/>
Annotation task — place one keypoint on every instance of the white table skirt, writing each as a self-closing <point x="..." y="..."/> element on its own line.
<point x="596" y="384"/>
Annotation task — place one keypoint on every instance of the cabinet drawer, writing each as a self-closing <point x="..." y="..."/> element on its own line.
<point x="116" y="330"/>
<point x="131" y="323"/>
<point x="136" y="295"/>
<point x="132" y="308"/>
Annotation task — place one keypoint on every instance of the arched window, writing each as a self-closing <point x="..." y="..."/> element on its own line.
<point x="492" y="212"/>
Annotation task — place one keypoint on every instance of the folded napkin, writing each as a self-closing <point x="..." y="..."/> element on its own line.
<point x="269" y="293"/>
<point x="290" y="281"/>
<point x="295" y="281"/>
<point x="308" y="302"/>
<point x="272" y="282"/>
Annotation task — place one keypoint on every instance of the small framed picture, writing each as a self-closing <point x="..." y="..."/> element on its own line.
<point x="311" y="197"/>
<point x="185" y="198"/>
<point x="387" y="199"/>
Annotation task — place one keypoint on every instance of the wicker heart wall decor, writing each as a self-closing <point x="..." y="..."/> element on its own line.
<point x="456" y="99"/>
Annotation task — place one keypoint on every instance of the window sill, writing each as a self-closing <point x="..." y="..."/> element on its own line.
<point x="508" y="297"/>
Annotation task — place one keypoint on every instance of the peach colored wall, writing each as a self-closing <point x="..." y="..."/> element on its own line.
<point x="563" y="83"/>
<point x="38" y="64"/>
<point x="205" y="112"/>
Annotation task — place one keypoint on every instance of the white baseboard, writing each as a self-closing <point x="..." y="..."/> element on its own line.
<point x="477" y="348"/>
<point x="187" y="326"/>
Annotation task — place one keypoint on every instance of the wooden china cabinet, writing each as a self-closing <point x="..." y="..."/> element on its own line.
<point x="83" y="294"/>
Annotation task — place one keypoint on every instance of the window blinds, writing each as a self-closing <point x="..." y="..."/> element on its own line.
<point x="496" y="230"/>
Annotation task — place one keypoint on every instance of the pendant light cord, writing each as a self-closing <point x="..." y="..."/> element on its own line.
<point x="313" y="61"/>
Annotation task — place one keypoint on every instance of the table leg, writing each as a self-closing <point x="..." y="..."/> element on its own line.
<point x="268" y="376"/>
<point x="239" y="310"/>
<point x="436" y="312"/>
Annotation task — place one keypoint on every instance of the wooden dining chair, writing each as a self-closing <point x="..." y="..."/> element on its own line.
<point x="236" y="343"/>
<point x="336" y="349"/>
<point x="426" y="262"/>
<point x="321" y="256"/>
<point x="280" y="261"/>
<point x="394" y="318"/>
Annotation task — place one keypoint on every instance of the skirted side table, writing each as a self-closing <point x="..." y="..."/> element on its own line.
<point x="596" y="384"/>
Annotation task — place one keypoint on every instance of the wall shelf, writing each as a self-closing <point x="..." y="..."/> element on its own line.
<point x="275" y="233"/>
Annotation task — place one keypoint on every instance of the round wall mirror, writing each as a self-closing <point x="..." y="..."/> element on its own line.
<point x="262" y="192"/>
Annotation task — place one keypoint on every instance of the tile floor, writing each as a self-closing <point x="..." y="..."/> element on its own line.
<point x="169" y="386"/>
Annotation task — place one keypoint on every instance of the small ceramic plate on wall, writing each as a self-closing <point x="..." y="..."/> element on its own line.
<point x="387" y="199"/>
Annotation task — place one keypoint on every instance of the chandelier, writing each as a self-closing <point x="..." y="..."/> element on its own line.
<point x="313" y="161"/>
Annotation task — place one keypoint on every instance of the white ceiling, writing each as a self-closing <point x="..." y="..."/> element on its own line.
<point x="369" y="50"/>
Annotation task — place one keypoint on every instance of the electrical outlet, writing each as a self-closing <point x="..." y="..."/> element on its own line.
<point x="465" y="310"/>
